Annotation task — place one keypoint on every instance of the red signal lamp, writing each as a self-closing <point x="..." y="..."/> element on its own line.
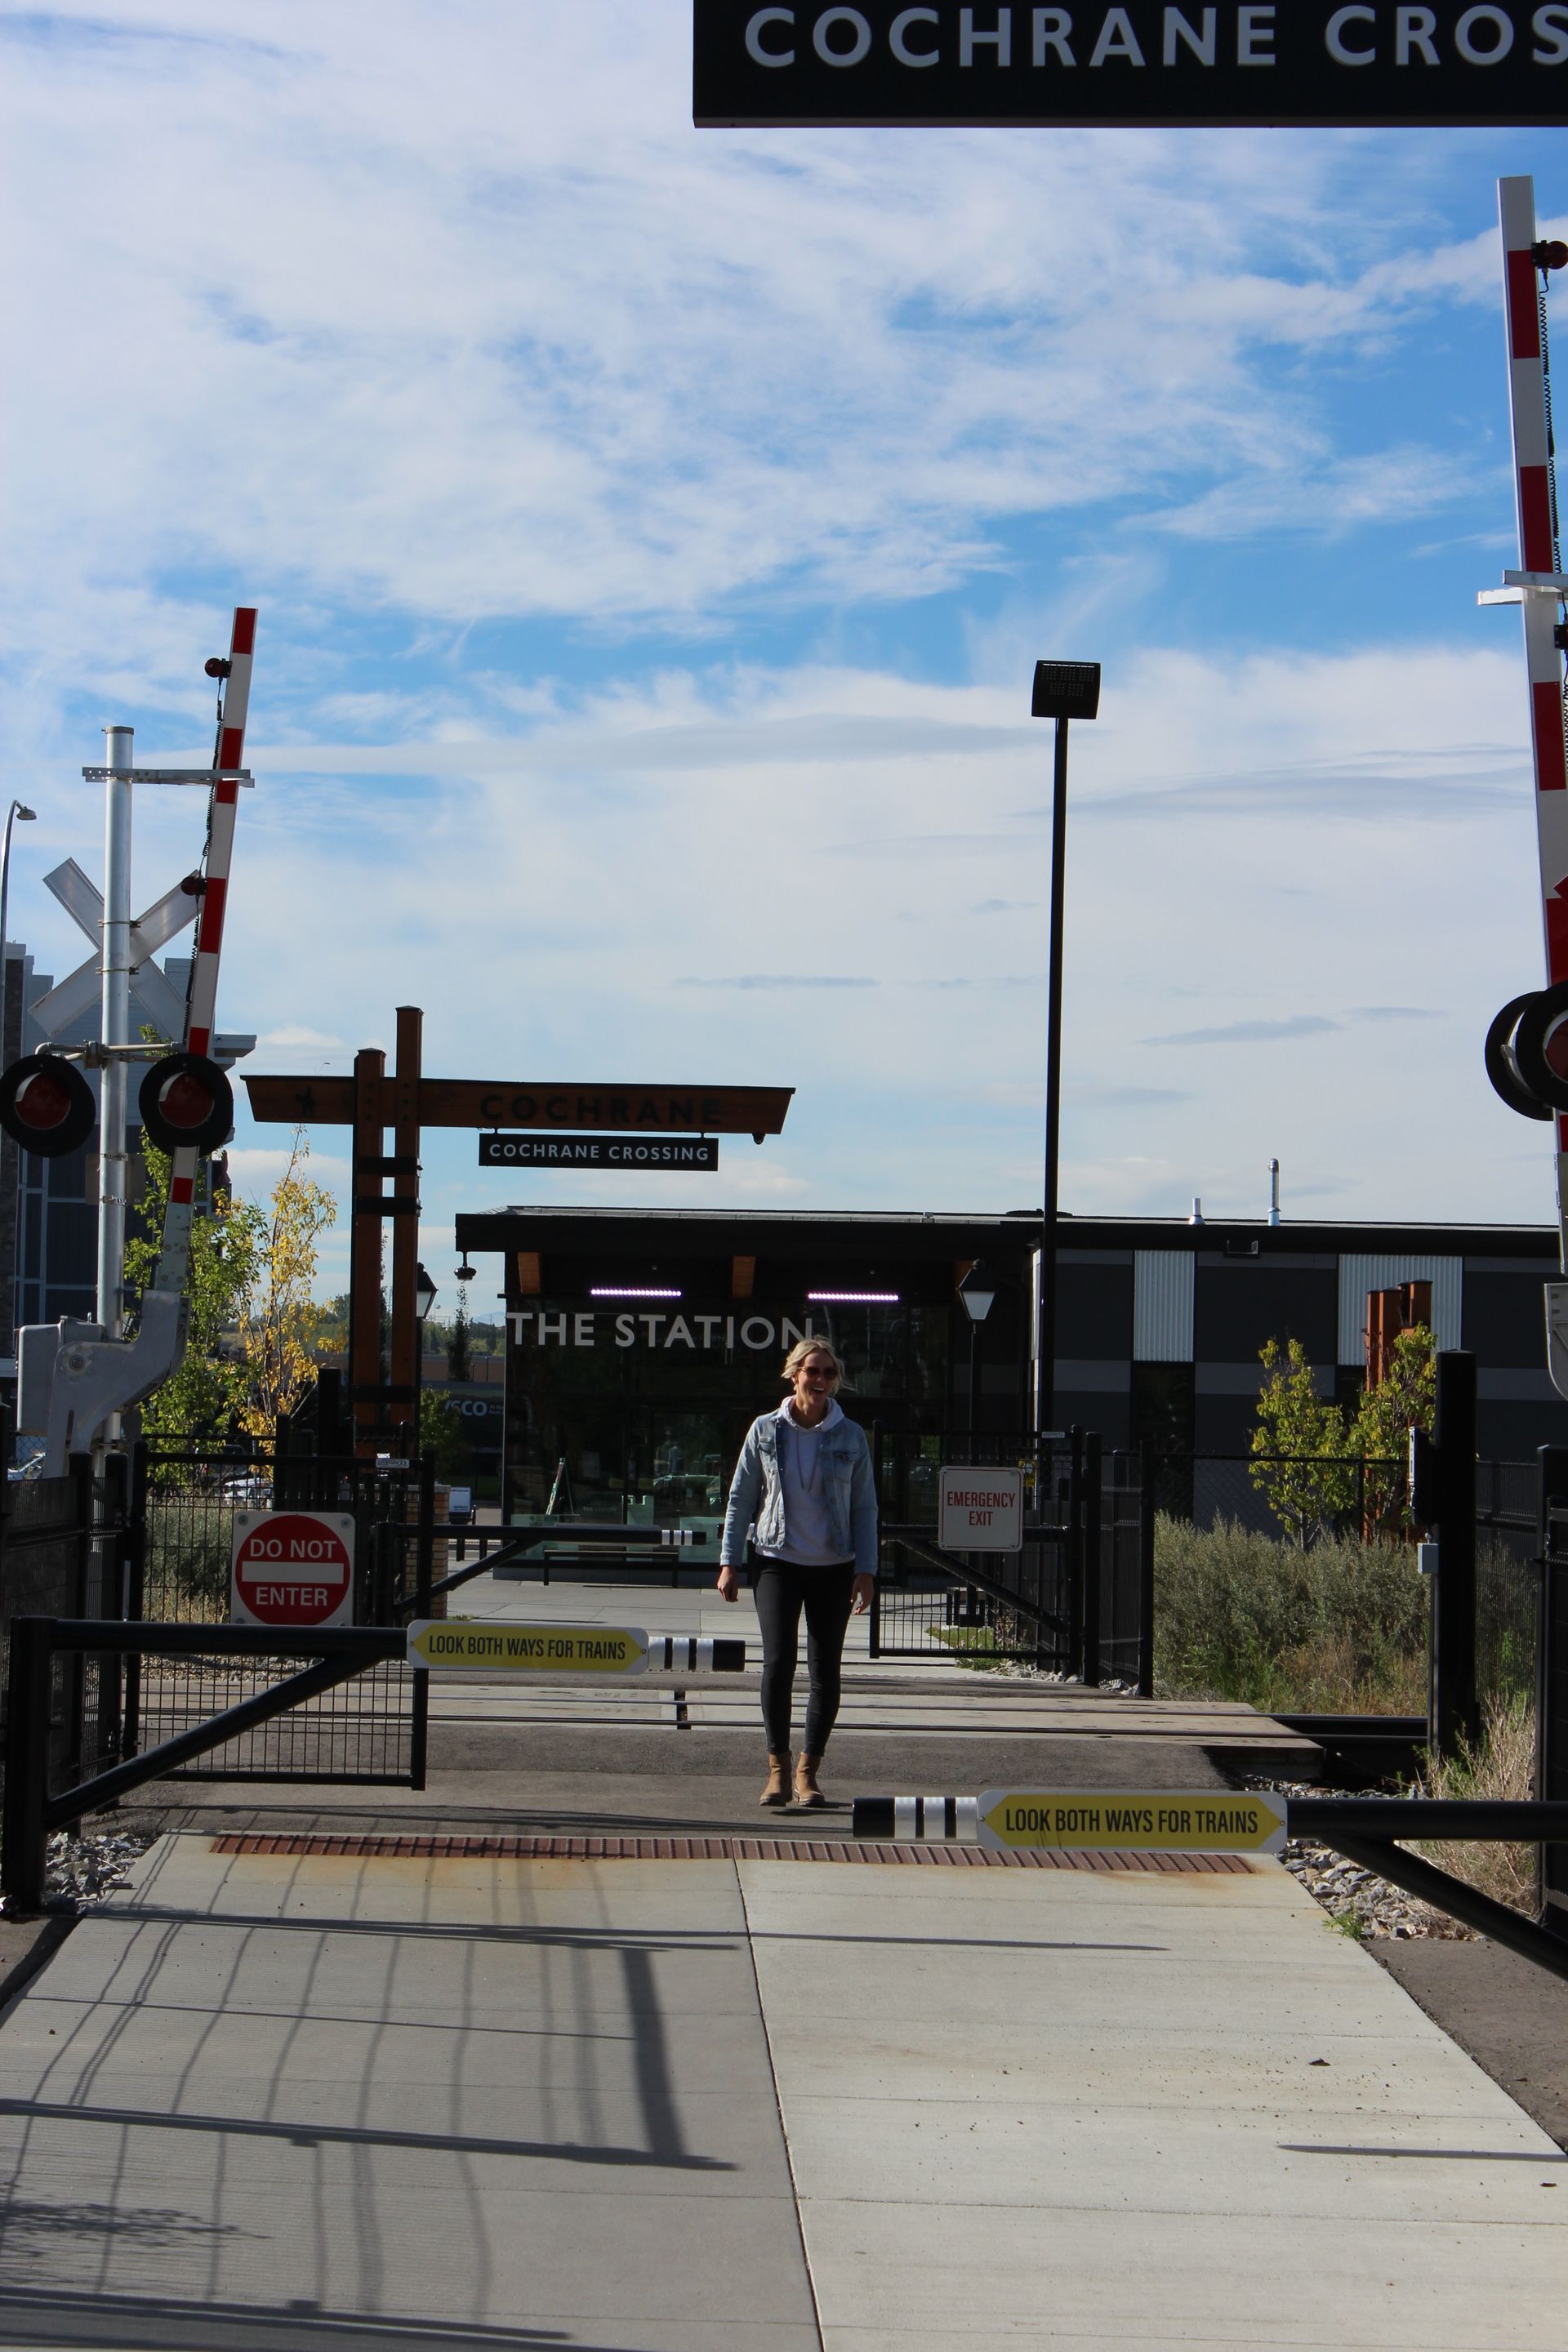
<point x="186" y="1102"/>
<point x="46" y="1105"/>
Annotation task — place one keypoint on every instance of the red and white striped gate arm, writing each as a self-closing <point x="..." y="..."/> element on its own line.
<point x="1539" y="553"/>
<point x="201" y="1000"/>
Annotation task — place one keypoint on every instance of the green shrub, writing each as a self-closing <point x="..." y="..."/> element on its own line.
<point x="1340" y="1628"/>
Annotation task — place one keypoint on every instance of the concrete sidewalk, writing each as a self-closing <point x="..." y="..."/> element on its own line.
<point x="297" y="2100"/>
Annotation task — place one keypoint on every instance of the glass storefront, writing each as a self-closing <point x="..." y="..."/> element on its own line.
<point x="636" y="1409"/>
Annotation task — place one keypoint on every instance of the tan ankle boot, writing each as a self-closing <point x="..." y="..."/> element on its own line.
<point x="807" y="1791"/>
<point x="776" y="1792"/>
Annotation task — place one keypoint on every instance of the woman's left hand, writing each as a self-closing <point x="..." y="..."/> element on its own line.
<point x="863" y="1587"/>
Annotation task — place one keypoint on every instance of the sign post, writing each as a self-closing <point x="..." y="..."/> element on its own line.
<point x="293" y="1567"/>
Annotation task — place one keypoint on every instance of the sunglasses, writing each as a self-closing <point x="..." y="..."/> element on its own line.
<point x="816" y="1372"/>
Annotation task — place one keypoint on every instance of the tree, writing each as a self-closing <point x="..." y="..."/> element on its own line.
<point x="1299" y="1445"/>
<point x="458" y="1366"/>
<point x="282" y="1322"/>
<point x="441" y="1433"/>
<point x="197" y="1405"/>
<point x="1405" y="1397"/>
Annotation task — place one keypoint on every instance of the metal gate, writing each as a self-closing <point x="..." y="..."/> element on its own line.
<point x="1077" y="1599"/>
<point x="370" y="1728"/>
<point x="1551" y="1677"/>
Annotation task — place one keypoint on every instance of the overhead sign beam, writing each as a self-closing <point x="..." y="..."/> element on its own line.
<point x="618" y="1118"/>
<point x="533" y="1103"/>
<point x="1311" y="62"/>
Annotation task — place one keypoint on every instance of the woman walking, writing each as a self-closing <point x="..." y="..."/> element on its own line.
<point x="804" y="1480"/>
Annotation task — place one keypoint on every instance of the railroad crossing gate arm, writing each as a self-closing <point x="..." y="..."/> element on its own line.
<point x="1540" y="589"/>
<point x="91" y="1377"/>
<point x="201" y="1007"/>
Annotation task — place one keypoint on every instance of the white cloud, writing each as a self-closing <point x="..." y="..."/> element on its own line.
<point x="1263" y="910"/>
<point x="467" y="322"/>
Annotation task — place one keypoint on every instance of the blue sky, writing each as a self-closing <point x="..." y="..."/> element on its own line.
<point x="654" y="532"/>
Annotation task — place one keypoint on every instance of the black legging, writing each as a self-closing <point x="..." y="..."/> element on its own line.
<point x="782" y="1591"/>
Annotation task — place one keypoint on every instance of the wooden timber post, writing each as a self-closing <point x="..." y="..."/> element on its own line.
<point x="403" y="1395"/>
<point x="365" y="1250"/>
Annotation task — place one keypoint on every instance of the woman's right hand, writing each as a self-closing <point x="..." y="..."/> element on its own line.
<point x="729" y="1584"/>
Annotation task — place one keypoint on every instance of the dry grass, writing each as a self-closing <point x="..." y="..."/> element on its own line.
<point x="1502" y="1765"/>
<point x="1337" y="1628"/>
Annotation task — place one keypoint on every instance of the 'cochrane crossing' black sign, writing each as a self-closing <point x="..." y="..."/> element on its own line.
<point x="1244" y="61"/>
<point x="634" y="1151"/>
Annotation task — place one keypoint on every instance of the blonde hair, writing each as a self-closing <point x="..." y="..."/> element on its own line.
<point x="801" y="1351"/>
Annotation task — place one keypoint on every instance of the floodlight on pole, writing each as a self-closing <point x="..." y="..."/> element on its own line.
<point x="1064" y="690"/>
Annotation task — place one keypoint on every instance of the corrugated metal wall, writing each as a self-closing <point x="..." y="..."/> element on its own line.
<point x="1359" y="1275"/>
<point x="1163" y="1287"/>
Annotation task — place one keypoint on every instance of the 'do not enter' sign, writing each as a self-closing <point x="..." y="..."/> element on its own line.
<point x="293" y="1567"/>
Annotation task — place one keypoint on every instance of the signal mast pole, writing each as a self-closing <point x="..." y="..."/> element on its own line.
<point x="114" y="1030"/>
<point x="1540" y="591"/>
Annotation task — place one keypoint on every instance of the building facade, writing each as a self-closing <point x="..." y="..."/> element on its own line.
<point x="641" y="1343"/>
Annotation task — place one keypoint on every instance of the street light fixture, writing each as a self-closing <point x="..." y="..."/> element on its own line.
<point x="27" y="816"/>
<point x="423" y="1294"/>
<point x="977" y="1292"/>
<point x="1063" y="691"/>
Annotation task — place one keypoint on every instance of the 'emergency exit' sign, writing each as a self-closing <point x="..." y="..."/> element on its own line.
<point x="980" y="1509"/>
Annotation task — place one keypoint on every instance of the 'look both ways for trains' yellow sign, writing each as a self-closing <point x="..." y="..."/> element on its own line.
<point x="1144" y="1821"/>
<point x="467" y="1646"/>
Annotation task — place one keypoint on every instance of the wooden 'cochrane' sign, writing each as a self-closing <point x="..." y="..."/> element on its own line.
<point x="1311" y="62"/>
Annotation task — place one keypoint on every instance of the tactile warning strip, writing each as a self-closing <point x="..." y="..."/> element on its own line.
<point x="432" y="1847"/>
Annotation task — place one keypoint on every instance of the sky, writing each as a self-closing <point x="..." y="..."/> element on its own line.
<point x="654" y="531"/>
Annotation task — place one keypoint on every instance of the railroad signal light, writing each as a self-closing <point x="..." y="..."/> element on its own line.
<point x="185" y="1100"/>
<point x="1527" y="1052"/>
<point x="46" y="1105"/>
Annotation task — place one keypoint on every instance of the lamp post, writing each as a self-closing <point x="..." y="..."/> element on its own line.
<point x="424" y="1299"/>
<point x="1063" y="691"/>
<point x="978" y="1292"/>
<point x="27" y="816"/>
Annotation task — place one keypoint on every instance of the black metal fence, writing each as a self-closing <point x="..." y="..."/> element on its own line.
<point x="183" y="1511"/>
<point x="61" y="1552"/>
<point x="1074" y="1599"/>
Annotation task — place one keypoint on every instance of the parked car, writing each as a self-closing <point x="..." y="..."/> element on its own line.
<point x="246" y="1490"/>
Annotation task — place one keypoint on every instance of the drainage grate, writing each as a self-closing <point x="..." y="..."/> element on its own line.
<point x="432" y="1847"/>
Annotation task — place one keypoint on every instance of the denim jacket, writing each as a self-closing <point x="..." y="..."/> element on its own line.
<point x="756" y="1495"/>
